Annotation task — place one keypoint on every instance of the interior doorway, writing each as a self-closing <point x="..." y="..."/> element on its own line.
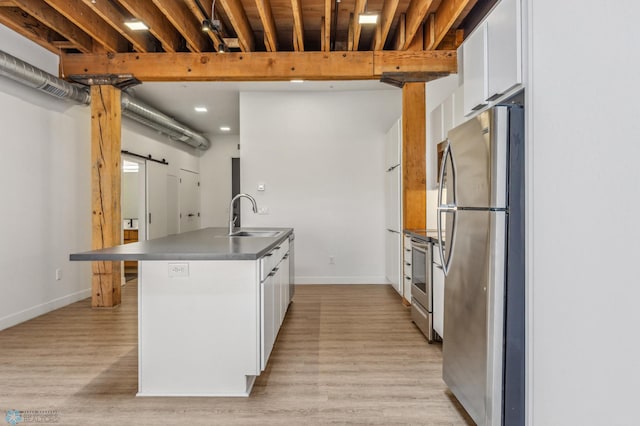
<point x="133" y="207"/>
<point x="235" y="188"/>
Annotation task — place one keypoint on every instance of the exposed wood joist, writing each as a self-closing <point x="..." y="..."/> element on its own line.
<point x="158" y="24"/>
<point x="268" y="24"/>
<point x="182" y="19"/>
<point x="140" y="41"/>
<point x="416" y="14"/>
<point x="449" y="13"/>
<point x="266" y="66"/>
<point x="326" y="26"/>
<point x="298" y="26"/>
<point x="351" y="33"/>
<point x="51" y="18"/>
<point x="106" y="118"/>
<point x="323" y="46"/>
<point x="7" y="3"/>
<point x="383" y="26"/>
<point x="357" y="28"/>
<point x="195" y="10"/>
<point x="89" y="22"/>
<point x="238" y="17"/>
<point x="400" y="32"/>
<point x="29" y="27"/>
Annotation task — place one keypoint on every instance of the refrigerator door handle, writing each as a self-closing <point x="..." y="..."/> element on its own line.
<point x="447" y="208"/>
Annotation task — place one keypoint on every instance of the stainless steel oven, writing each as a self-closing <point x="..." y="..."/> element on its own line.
<point x="422" y="286"/>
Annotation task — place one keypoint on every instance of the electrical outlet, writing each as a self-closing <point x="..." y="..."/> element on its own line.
<point x="332" y="260"/>
<point x="178" y="270"/>
<point x="58" y="274"/>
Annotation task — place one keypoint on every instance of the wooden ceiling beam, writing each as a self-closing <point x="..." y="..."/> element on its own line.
<point x="326" y="25"/>
<point x="84" y="17"/>
<point x="158" y="24"/>
<point x="183" y="20"/>
<point x="384" y="24"/>
<point x="54" y="20"/>
<point x="449" y="12"/>
<point x="268" y="25"/>
<point x="195" y="10"/>
<point x="29" y="27"/>
<point x="264" y="66"/>
<point x="238" y="17"/>
<point x="298" y="25"/>
<point x="140" y="41"/>
<point x="416" y="14"/>
<point x="357" y="28"/>
<point x="350" y="33"/>
<point x="400" y="32"/>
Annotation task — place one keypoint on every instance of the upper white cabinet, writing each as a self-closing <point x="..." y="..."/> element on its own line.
<point x="504" y="41"/>
<point x="474" y="63"/>
<point x="492" y="57"/>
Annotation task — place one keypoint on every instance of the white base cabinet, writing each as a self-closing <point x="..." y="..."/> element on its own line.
<point x="209" y="331"/>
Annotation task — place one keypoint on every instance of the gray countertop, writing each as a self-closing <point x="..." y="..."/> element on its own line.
<point x="203" y="244"/>
<point x="424" y="234"/>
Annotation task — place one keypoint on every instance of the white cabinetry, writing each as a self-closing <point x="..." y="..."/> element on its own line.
<point x="504" y="54"/>
<point x="393" y="206"/>
<point x="274" y="292"/>
<point x="492" y="57"/>
<point x="474" y="69"/>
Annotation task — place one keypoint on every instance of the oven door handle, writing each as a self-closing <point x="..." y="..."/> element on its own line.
<point x="415" y="243"/>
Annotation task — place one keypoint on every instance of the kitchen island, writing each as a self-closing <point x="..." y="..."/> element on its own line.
<point x="209" y="307"/>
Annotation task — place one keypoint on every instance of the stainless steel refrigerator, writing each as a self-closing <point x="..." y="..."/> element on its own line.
<point x="483" y="258"/>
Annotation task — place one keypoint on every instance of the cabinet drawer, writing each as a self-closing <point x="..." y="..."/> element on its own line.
<point x="407" y="270"/>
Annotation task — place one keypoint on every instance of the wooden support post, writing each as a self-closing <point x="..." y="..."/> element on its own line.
<point x="414" y="156"/>
<point x="106" y="220"/>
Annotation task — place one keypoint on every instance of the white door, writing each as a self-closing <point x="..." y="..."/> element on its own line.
<point x="392" y="199"/>
<point x="156" y="200"/>
<point x="173" y="212"/>
<point x="189" y="193"/>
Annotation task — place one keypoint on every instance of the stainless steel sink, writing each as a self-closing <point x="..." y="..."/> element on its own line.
<point x="256" y="234"/>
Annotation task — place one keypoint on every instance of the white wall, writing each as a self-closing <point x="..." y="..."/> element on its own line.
<point x="45" y="186"/>
<point x="45" y="182"/>
<point x="215" y="178"/>
<point x="320" y="156"/>
<point x="584" y="232"/>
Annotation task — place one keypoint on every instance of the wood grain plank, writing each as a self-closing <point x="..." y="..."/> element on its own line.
<point x="357" y="28"/>
<point x="85" y="18"/>
<point x="266" y="66"/>
<point x="384" y="24"/>
<point x="416" y="14"/>
<point x="326" y="26"/>
<point x="183" y="20"/>
<point x="238" y="17"/>
<point x="449" y="13"/>
<point x="298" y="25"/>
<point x="51" y="18"/>
<point x="268" y="24"/>
<point x="27" y="26"/>
<point x="158" y="24"/>
<point x="336" y="360"/>
<point x="113" y="16"/>
<point x="195" y="10"/>
<point x="106" y="215"/>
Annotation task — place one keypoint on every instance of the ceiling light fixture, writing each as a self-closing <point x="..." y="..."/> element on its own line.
<point x="201" y="109"/>
<point x="225" y="128"/>
<point x="367" y="18"/>
<point x="136" y="25"/>
<point x="297" y="81"/>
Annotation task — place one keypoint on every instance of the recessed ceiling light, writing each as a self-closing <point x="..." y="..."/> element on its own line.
<point x="367" y="18"/>
<point x="225" y="128"/>
<point x="297" y="81"/>
<point x="200" y="109"/>
<point x="136" y="25"/>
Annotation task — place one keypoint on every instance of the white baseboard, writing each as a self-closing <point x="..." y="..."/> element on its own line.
<point x="341" y="280"/>
<point x="35" y="311"/>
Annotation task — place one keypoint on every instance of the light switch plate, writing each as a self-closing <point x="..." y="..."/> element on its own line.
<point x="178" y="270"/>
<point x="261" y="187"/>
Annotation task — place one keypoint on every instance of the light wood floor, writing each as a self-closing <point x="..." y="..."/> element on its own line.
<point x="345" y="355"/>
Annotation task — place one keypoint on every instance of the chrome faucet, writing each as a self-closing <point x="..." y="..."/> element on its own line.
<point x="232" y="219"/>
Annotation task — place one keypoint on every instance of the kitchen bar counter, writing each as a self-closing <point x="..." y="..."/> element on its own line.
<point x="209" y="308"/>
<point x="203" y="244"/>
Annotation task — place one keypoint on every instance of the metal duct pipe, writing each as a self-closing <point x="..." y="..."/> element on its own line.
<point x="28" y="75"/>
<point x="33" y="77"/>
